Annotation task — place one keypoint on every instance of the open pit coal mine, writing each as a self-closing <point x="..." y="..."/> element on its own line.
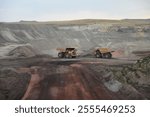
<point x="31" y="70"/>
<point x="44" y="78"/>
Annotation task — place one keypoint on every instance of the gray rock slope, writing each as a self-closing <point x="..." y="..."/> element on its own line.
<point x="126" y="35"/>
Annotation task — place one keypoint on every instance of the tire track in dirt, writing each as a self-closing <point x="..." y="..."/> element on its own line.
<point x="73" y="81"/>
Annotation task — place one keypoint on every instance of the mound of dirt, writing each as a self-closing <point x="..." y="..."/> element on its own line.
<point x="12" y="84"/>
<point x="121" y="89"/>
<point x="137" y="75"/>
<point x="23" y="51"/>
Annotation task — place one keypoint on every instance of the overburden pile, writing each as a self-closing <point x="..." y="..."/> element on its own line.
<point x="137" y="75"/>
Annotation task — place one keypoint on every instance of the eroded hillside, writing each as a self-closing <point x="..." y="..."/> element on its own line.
<point x="121" y="35"/>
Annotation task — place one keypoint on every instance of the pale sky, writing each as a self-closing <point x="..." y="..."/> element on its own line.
<point x="48" y="10"/>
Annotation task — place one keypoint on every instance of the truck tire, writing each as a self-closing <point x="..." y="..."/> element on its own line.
<point x="68" y="56"/>
<point x="107" y="55"/>
<point x="98" y="54"/>
<point x="60" y="55"/>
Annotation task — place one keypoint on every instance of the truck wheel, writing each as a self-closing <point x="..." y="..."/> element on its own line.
<point x="68" y="56"/>
<point x="108" y="55"/>
<point x="98" y="55"/>
<point x="60" y="55"/>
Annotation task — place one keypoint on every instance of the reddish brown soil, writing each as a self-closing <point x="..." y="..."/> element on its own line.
<point x="73" y="81"/>
<point x="80" y="78"/>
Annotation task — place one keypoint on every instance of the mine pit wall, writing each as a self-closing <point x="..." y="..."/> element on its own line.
<point x="123" y="37"/>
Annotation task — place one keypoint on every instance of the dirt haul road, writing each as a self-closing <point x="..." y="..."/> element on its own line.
<point x="82" y="78"/>
<point x="74" y="79"/>
<point x="67" y="82"/>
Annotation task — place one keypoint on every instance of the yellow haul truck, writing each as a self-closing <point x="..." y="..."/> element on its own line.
<point x="67" y="53"/>
<point x="103" y="53"/>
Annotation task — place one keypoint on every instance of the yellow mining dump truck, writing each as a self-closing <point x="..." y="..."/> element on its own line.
<point x="67" y="53"/>
<point x="103" y="53"/>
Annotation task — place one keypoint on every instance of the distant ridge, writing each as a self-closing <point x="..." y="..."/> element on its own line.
<point x="83" y="21"/>
<point x="77" y="21"/>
